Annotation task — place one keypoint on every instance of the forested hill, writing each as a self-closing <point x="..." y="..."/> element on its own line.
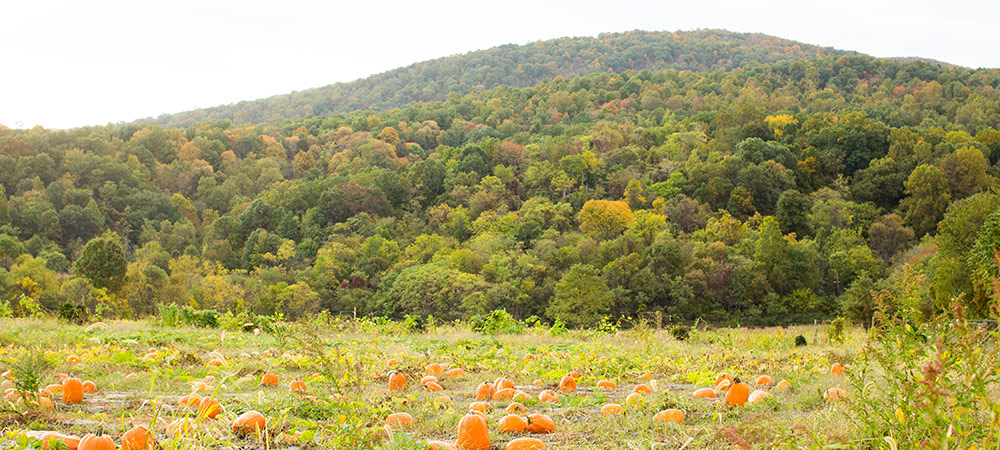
<point x="517" y="66"/>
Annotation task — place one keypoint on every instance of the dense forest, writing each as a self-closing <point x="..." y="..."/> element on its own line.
<point x="515" y="66"/>
<point x="778" y="192"/>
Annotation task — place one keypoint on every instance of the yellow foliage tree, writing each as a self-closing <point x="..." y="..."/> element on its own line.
<point x="605" y="218"/>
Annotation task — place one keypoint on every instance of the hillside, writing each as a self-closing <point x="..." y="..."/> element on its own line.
<point x="516" y="66"/>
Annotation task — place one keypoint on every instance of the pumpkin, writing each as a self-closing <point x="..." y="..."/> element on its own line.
<point x="7" y="383"/>
<point x="503" y="383"/>
<point x="605" y="384"/>
<point x="392" y="362"/>
<point x="456" y="372"/>
<point x="757" y="396"/>
<point x="199" y="386"/>
<point x="612" y="408"/>
<point x="473" y="433"/>
<point x="484" y="391"/>
<point x="138" y="438"/>
<point x="433" y="387"/>
<point x="189" y="400"/>
<point x="92" y="442"/>
<point x="705" y="393"/>
<point x="722" y="376"/>
<point x="738" y="394"/>
<point x="521" y="396"/>
<point x="45" y="402"/>
<point x="480" y="406"/>
<point x="646" y="376"/>
<point x="397" y="382"/>
<point x="249" y="423"/>
<point x="783" y="384"/>
<point x="7" y="374"/>
<point x="444" y="399"/>
<point x="297" y="387"/>
<point x="547" y="396"/>
<point x="71" y="442"/>
<point x="433" y="369"/>
<point x="72" y="390"/>
<point x="504" y="394"/>
<point x="73" y="359"/>
<point x="835" y="393"/>
<point x="59" y="376"/>
<point x="634" y="398"/>
<point x="89" y="386"/>
<point x="574" y="374"/>
<point x="540" y="423"/>
<point x="54" y="388"/>
<point x="670" y="415"/>
<point x="764" y="380"/>
<point x="441" y="445"/>
<point x="515" y="407"/>
<point x="724" y="385"/>
<point x="179" y="427"/>
<point x="399" y="420"/>
<point x="525" y="443"/>
<point x="512" y="423"/>
<point x="837" y="369"/>
<point x="538" y="383"/>
<point x="269" y="380"/>
<point x="209" y="408"/>
<point x="567" y="383"/>
<point x="642" y="389"/>
<point x="428" y="379"/>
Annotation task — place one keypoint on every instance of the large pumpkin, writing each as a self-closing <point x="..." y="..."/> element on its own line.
<point x="72" y="390"/>
<point x="525" y="443"/>
<point x="397" y="382"/>
<point x="567" y="383"/>
<point x="269" y="380"/>
<point x="92" y="442"/>
<point x="512" y="423"/>
<point x="540" y="423"/>
<point x="738" y="394"/>
<point x="473" y="433"/>
<point x="670" y="415"/>
<point x="209" y="408"/>
<point x="249" y="423"/>
<point x="138" y="438"/>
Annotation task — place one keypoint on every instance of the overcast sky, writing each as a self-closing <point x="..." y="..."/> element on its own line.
<point x="74" y="63"/>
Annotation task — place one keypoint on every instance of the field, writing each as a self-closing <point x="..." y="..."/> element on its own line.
<point x="345" y="367"/>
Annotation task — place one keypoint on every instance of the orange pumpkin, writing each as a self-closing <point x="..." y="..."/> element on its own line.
<point x="399" y="420"/>
<point x="180" y="427"/>
<point x="54" y="388"/>
<point x="567" y="383"/>
<point x="837" y="369"/>
<point x="512" y="423"/>
<point x="72" y="390"/>
<point x="835" y="393"/>
<point x="484" y="391"/>
<point x="456" y="372"/>
<point x="515" y="407"/>
<point x="473" y="433"/>
<point x="269" y="380"/>
<point x="574" y="374"/>
<point x="71" y="442"/>
<point x="504" y="394"/>
<point x="138" y="438"/>
<point x="434" y="369"/>
<point x="612" y="408"/>
<point x="297" y="387"/>
<point x="189" y="400"/>
<point x="783" y="384"/>
<point x="548" y="396"/>
<point x="441" y="445"/>
<point x="757" y="396"/>
<point x="722" y="376"/>
<point x="397" y="382"/>
<point x="73" y="359"/>
<point x="428" y="379"/>
<point x="249" y="423"/>
<point x="634" y="398"/>
<point x="705" y="393"/>
<point x="764" y="380"/>
<point x="433" y="387"/>
<point x="606" y="384"/>
<point x="392" y="362"/>
<point x="89" y="386"/>
<point x="738" y="394"/>
<point x="642" y="389"/>
<point x="525" y="443"/>
<point x="92" y="442"/>
<point x="45" y="402"/>
<point x="480" y="406"/>
<point x="503" y="383"/>
<point x="209" y="408"/>
<point x="670" y="415"/>
<point x="538" y="383"/>
<point x="540" y="423"/>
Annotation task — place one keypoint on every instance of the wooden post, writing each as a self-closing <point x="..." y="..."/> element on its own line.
<point x="815" y="332"/>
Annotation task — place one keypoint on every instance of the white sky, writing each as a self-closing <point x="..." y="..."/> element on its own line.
<point x="74" y="63"/>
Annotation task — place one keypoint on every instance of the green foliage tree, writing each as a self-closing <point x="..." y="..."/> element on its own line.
<point x="102" y="261"/>
<point x="927" y="199"/>
<point x="581" y="297"/>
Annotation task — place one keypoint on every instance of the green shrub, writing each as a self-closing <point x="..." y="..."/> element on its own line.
<point x="680" y="332"/>
<point x="800" y="341"/>
<point x="72" y="313"/>
<point x="496" y="322"/>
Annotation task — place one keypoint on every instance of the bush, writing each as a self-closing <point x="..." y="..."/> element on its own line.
<point x="416" y="323"/>
<point x="800" y="341"/>
<point x="835" y="332"/>
<point x="496" y="322"/>
<point x="680" y="332"/>
<point x="173" y="315"/>
<point x="73" y="313"/>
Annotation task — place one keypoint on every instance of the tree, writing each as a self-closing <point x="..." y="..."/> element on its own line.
<point x="581" y="297"/>
<point x="927" y="199"/>
<point x="889" y="236"/>
<point x="103" y="263"/>
<point x="604" y="218"/>
<point x="793" y="213"/>
<point x="965" y="171"/>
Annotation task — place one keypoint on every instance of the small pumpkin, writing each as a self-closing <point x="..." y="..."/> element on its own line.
<point x="634" y="398"/>
<point x="433" y="387"/>
<point x="93" y="442"/>
<point x="397" y="382"/>
<point x="515" y="408"/>
<point x="399" y="420"/>
<point x="484" y="391"/>
<point x="525" y="443"/>
<point x="480" y="406"/>
<point x="189" y="400"/>
<point x="764" y="380"/>
<point x="835" y="393"/>
<point x="209" y="407"/>
<point x="670" y="415"/>
<point x="642" y="389"/>
<point x="738" y="393"/>
<point x="269" y="380"/>
<point x="179" y="427"/>
<point x="456" y="372"/>
<point x="392" y="362"/>
<point x="705" y="393"/>
<point x="783" y="384"/>
<point x="538" y="383"/>
<point x="73" y="359"/>
<point x="249" y="423"/>
<point x="473" y="433"/>
<point x="297" y="387"/>
<point x="89" y="386"/>
<point x="441" y="445"/>
<point x="575" y="374"/>
<point x="429" y="379"/>
<point x="567" y="383"/>
<point x="504" y="394"/>
<point x="757" y="396"/>
<point x="837" y="369"/>
<point x="612" y="408"/>
<point x="433" y="369"/>
<point x="503" y="383"/>
<point x="540" y="423"/>
<point x="512" y="423"/>
<point x="71" y="442"/>
<point x="722" y="376"/>
<point x="548" y="396"/>
<point x="606" y="384"/>
<point x="138" y="438"/>
<point x="72" y="390"/>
